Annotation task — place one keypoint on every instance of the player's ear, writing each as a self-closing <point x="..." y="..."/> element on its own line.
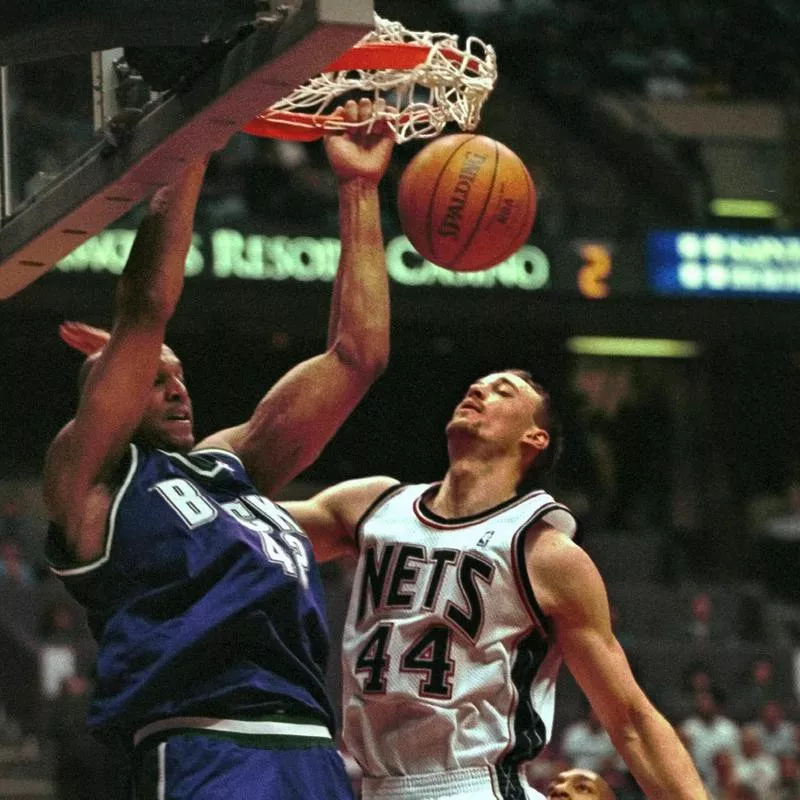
<point x="536" y="437"/>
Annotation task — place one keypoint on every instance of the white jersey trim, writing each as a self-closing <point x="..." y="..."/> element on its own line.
<point x="206" y="473"/>
<point x="469" y="781"/>
<point x="248" y="727"/>
<point x="519" y="565"/>
<point x="110" y="524"/>
<point x="426" y="517"/>
<point x="479" y="783"/>
<point x="219" y="450"/>
<point x="162" y="771"/>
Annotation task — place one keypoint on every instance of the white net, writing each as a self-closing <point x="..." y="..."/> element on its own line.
<point x="450" y="83"/>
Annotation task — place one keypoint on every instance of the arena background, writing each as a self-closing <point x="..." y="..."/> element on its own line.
<point x="663" y="140"/>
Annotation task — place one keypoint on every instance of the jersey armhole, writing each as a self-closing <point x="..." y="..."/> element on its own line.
<point x="372" y="507"/>
<point x="520" y="565"/>
<point x="521" y="575"/>
<point x="58" y="555"/>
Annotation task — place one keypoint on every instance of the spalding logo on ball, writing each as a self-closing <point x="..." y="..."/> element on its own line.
<point x="466" y="202"/>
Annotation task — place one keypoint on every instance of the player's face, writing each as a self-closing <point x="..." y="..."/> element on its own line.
<point x="167" y="420"/>
<point x="501" y="408"/>
<point x="578" y="784"/>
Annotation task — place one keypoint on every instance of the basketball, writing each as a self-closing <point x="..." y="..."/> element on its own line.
<point x="466" y="202"/>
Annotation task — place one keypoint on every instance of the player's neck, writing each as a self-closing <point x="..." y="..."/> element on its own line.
<point x="472" y="486"/>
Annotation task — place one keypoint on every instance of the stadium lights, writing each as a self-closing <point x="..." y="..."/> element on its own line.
<point x="745" y="209"/>
<point x="635" y="348"/>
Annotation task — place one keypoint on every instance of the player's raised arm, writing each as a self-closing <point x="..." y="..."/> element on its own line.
<point x="571" y="593"/>
<point x="331" y="517"/>
<point x="115" y="391"/>
<point x="303" y="410"/>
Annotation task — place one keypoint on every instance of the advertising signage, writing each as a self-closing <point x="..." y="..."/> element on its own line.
<point x="679" y="264"/>
<point x="723" y="264"/>
<point x="228" y="254"/>
<point x="583" y="267"/>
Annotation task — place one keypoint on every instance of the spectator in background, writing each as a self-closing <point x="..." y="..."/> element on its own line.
<point x="758" y="686"/>
<point x="58" y="657"/>
<point x="13" y="565"/>
<point x="679" y="702"/>
<point x="703" y="624"/>
<point x="756" y="768"/>
<point x="708" y="731"/>
<point x="586" y="745"/>
<point x="788" y="779"/>
<point x="721" y="783"/>
<point x="775" y="732"/>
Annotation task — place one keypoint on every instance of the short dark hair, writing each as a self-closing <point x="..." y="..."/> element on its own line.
<point x="547" y="419"/>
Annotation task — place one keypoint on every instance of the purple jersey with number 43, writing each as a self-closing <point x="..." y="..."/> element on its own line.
<point x="206" y="601"/>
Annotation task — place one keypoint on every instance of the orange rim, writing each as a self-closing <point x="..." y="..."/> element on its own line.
<point x="374" y="55"/>
<point x="294" y="125"/>
<point x="302" y="127"/>
<point x="392" y="55"/>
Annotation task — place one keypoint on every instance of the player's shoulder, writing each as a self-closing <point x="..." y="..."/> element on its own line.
<point x="55" y="474"/>
<point x="58" y="448"/>
<point x="565" y="577"/>
<point x="369" y="488"/>
<point x="554" y="554"/>
<point x="65" y="483"/>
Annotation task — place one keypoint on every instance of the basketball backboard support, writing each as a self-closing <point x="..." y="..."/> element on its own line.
<point x="281" y="51"/>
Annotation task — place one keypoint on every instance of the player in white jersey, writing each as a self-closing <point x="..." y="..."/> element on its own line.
<point x="467" y="595"/>
<point x="428" y="629"/>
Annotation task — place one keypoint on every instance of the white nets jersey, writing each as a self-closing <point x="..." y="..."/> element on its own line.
<point x="448" y="669"/>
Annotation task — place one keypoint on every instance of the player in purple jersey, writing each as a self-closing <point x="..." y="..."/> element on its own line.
<point x="202" y="593"/>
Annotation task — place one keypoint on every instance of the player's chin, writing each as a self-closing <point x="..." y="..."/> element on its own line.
<point x="184" y="444"/>
<point x="459" y="423"/>
<point x="181" y="442"/>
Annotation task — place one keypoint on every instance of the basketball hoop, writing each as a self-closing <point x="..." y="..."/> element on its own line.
<point x="426" y="77"/>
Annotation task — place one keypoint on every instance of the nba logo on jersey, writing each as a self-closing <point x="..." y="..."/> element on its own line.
<point x="485" y="539"/>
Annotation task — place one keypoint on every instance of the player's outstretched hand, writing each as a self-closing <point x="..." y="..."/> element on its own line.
<point x="82" y="337"/>
<point x="363" y="151"/>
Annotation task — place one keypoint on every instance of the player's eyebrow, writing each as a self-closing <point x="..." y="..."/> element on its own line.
<point x="508" y="383"/>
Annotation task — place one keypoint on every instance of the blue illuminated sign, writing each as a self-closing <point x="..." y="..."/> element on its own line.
<point x="723" y="264"/>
